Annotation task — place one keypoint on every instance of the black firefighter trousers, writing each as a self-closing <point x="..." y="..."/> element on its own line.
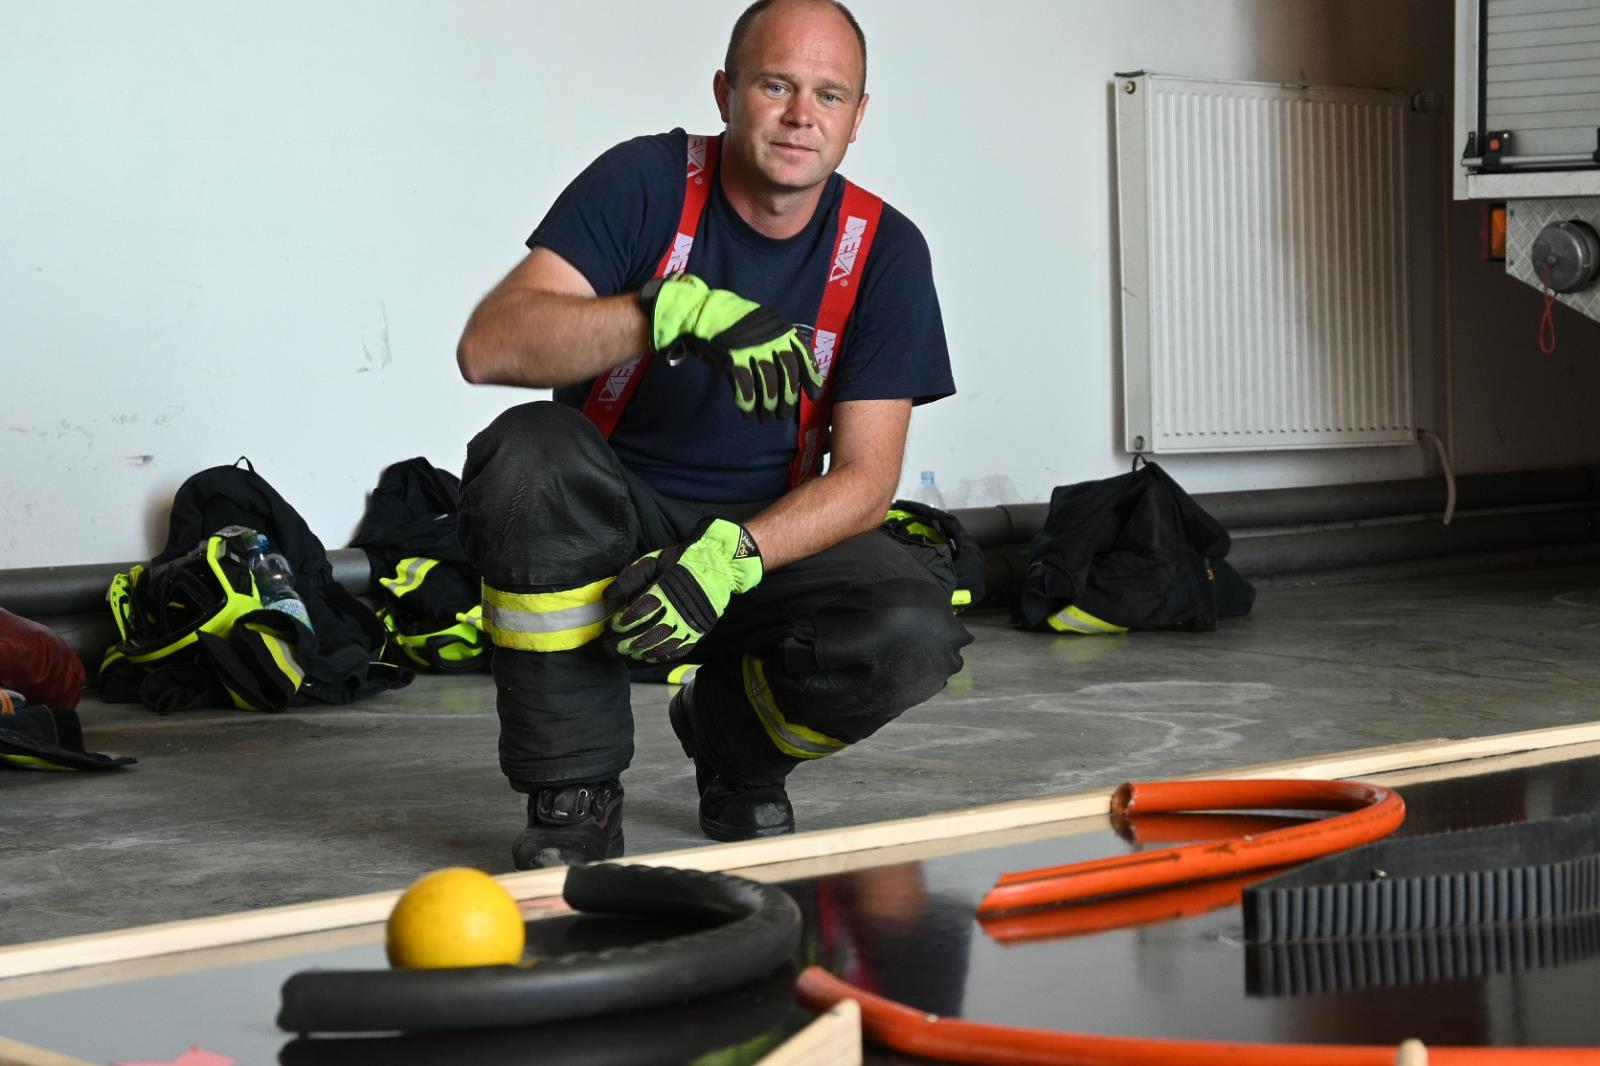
<point x="819" y="655"/>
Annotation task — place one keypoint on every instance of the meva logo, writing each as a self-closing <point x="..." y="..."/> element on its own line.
<point x="697" y="156"/>
<point x="679" y="259"/>
<point x="617" y="381"/>
<point x="822" y="347"/>
<point x="844" y="260"/>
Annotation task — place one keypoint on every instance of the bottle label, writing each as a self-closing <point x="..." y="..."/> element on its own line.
<point x="294" y="608"/>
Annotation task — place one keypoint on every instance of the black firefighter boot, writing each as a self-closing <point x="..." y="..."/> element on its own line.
<point x="729" y="811"/>
<point x="570" y="824"/>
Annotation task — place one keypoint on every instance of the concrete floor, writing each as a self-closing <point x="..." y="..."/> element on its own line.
<point x="228" y="810"/>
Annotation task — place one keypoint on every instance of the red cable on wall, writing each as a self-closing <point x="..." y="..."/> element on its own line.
<point x="1547" y="322"/>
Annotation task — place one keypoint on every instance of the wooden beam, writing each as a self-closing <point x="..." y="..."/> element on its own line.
<point x="833" y="1039"/>
<point x="747" y="856"/>
<point x="16" y="1053"/>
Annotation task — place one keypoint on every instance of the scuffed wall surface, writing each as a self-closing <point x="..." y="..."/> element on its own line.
<point x="248" y="231"/>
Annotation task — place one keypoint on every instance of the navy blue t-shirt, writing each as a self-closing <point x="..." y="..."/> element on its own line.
<point x="681" y="432"/>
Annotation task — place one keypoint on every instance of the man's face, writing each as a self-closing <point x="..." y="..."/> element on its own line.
<point x="798" y="100"/>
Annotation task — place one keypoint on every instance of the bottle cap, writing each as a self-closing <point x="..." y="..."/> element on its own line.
<point x="927" y="477"/>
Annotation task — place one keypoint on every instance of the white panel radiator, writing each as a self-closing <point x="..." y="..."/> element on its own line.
<point x="1265" y="267"/>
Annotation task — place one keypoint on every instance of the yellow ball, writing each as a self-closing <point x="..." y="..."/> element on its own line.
<point x="455" y="917"/>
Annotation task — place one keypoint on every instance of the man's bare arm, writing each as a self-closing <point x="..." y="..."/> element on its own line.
<point x="869" y="441"/>
<point x="543" y="326"/>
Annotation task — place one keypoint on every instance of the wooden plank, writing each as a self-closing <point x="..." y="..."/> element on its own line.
<point x="747" y="856"/>
<point x="235" y="953"/>
<point x="1488" y="764"/>
<point x="16" y="1053"/>
<point x="842" y="862"/>
<point x="834" y="1039"/>
<point x="324" y="940"/>
<point x="53" y="981"/>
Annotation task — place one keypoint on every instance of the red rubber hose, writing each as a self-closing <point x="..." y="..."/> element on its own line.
<point x="1371" y="812"/>
<point x="1184" y="828"/>
<point x="896" y="1026"/>
<point x="1121" y="912"/>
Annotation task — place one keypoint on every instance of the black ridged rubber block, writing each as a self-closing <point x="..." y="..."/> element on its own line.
<point x="1540" y="871"/>
<point x="1319" y="967"/>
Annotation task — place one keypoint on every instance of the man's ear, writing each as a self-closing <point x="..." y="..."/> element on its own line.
<point x="722" y="88"/>
<point x="861" y="113"/>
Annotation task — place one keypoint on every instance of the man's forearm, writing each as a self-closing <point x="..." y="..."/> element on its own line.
<point x="819" y="514"/>
<point x="544" y="339"/>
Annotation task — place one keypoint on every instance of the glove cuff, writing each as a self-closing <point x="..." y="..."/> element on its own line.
<point x="735" y="544"/>
<point x="672" y="304"/>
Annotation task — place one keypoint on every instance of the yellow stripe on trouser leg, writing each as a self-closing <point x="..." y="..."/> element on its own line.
<point x="35" y="763"/>
<point x="1071" y="620"/>
<point x="408" y="575"/>
<point x="282" y="654"/>
<point x="544" y="621"/>
<point x="793" y="740"/>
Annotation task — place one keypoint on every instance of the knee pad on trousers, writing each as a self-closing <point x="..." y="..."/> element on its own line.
<point x="885" y="655"/>
<point x="544" y="504"/>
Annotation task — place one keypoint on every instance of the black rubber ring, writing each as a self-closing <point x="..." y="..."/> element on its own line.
<point x="759" y="930"/>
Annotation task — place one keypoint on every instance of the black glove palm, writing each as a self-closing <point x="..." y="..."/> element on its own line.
<point x="761" y="353"/>
<point x="666" y="602"/>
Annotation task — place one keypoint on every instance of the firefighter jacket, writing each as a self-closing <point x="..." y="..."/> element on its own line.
<point x="1129" y="552"/>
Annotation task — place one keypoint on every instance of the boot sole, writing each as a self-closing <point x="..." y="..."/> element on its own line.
<point x="551" y="854"/>
<point x="727" y="834"/>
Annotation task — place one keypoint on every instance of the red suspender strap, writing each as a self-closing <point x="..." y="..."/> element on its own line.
<point x="612" y="392"/>
<point x="858" y="222"/>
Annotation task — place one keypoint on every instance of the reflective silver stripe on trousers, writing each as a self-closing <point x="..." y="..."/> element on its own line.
<point x="544" y="621"/>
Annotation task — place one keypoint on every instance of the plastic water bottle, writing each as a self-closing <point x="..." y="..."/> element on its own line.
<point x="928" y="492"/>
<point x="275" y="584"/>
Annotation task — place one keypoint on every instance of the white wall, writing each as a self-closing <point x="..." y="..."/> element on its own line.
<point x="243" y="229"/>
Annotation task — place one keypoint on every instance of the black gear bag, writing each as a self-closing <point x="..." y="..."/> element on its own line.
<point x="1129" y="552"/>
<point x="430" y="598"/>
<point x="955" y="558"/>
<point x="193" y="629"/>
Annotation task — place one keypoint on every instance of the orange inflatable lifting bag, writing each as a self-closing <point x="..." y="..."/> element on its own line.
<point x="36" y="662"/>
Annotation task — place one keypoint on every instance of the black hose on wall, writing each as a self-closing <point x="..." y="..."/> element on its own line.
<point x="71" y="599"/>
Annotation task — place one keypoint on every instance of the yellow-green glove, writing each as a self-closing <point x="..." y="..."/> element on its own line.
<point x="664" y="603"/>
<point x="761" y="354"/>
